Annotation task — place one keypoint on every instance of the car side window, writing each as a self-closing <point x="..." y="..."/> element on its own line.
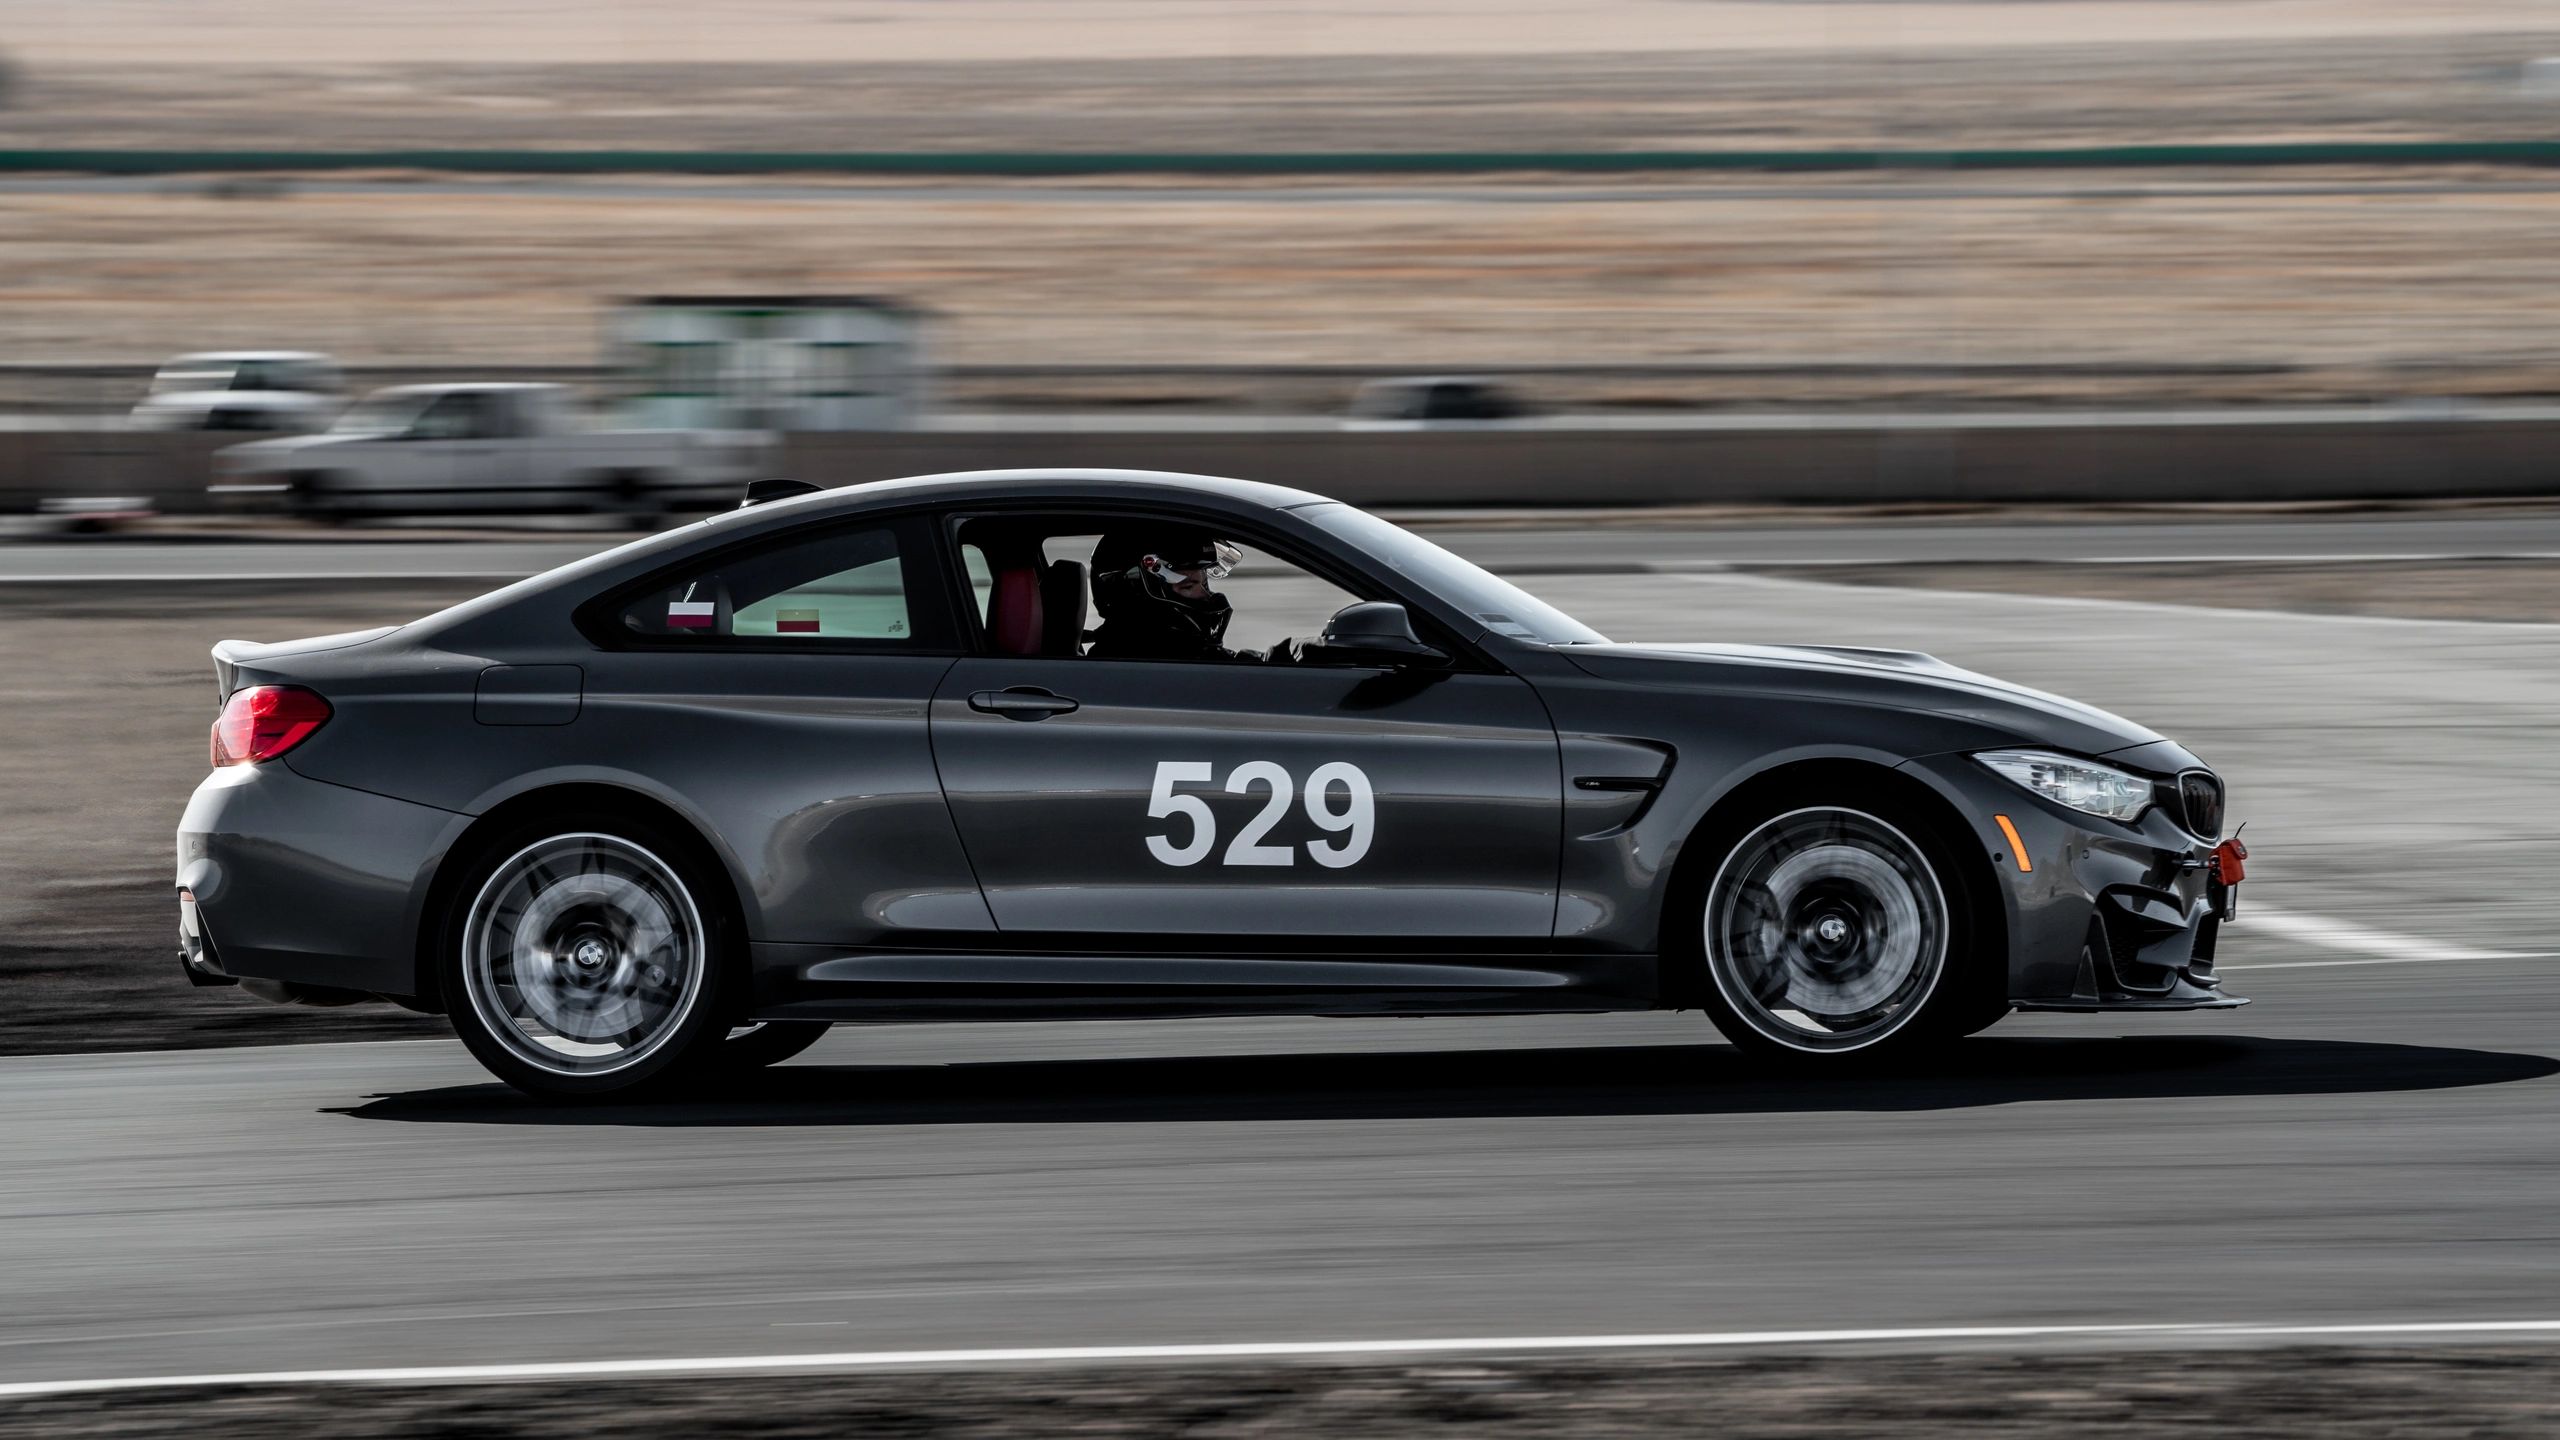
<point x="845" y="586"/>
<point x="982" y="576"/>
<point x="1032" y="580"/>
<point x="455" y="417"/>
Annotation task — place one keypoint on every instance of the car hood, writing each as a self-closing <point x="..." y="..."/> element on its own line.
<point x="1904" y="679"/>
<point x="239" y="399"/>
<point x="286" y="447"/>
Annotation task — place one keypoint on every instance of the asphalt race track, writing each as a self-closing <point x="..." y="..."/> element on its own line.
<point x="2376" y="1140"/>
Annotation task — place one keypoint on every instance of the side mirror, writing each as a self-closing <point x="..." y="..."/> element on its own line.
<point x="1376" y="632"/>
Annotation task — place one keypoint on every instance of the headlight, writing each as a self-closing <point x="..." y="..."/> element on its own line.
<point x="2082" y="785"/>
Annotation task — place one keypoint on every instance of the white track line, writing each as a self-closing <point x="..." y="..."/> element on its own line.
<point x="2382" y="947"/>
<point x="995" y="1359"/>
<point x="1920" y="594"/>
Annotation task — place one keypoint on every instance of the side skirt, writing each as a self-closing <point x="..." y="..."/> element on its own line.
<point x="820" y="982"/>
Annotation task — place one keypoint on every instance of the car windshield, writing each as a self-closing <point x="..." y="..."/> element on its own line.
<point x="193" y="375"/>
<point x="388" y="414"/>
<point x="1503" y="607"/>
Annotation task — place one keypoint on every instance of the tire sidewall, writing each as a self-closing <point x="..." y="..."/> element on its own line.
<point x="697" y="1034"/>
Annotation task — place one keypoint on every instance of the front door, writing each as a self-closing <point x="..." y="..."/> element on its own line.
<point x="1251" y="807"/>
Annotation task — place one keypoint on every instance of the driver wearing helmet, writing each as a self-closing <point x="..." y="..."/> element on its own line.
<point x="1154" y="591"/>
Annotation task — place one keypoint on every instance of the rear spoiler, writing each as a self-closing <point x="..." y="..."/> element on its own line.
<point x="230" y="655"/>
<point x="227" y="655"/>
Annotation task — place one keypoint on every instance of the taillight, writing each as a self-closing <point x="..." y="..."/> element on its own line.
<point x="264" y="721"/>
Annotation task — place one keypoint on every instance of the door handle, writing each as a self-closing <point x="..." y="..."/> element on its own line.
<point x="1022" y="702"/>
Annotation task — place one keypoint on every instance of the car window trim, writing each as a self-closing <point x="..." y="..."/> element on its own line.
<point x="920" y="566"/>
<point x="1465" y="655"/>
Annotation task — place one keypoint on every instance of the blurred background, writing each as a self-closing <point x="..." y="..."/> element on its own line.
<point x="1610" y="292"/>
<point x="2197" y="358"/>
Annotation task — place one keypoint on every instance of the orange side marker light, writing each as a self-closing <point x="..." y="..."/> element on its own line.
<point x="2017" y="847"/>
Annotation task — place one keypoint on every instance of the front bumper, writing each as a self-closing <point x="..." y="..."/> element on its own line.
<point x="2101" y="916"/>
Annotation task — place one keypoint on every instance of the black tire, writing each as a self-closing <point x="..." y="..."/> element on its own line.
<point x="314" y="498"/>
<point x="625" y="492"/>
<point x="761" y="1044"/>
<point x="593" y="955"/>
<point x="1836" y="930"/>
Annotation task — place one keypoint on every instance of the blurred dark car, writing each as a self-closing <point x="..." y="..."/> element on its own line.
<point x="854" y="757"/>
<point x="1434" y="400"/>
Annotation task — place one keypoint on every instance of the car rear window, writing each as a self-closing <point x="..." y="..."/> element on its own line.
<point x="847" y="585"/>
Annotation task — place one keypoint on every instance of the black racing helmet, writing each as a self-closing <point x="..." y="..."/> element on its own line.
<point x="1134" y="572"/>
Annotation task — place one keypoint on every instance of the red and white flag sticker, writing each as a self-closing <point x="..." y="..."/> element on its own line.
<point x="689" y="614"/>
<point x="796" y="622"/>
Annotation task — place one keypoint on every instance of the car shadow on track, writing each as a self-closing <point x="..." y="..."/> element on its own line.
<point x="1474" y="1084"/>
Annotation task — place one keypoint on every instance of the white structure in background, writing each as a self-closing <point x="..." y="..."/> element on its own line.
<point x="792" y="362"/>
<point x="2542" y="77"/>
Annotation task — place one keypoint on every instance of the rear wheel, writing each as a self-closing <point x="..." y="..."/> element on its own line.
<point x="1829" y="930"/>
<point x="588" y="959"/>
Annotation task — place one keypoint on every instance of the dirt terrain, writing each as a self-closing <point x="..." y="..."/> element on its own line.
<point x="113" y="689"/>
<point x="1915" y="85"/>
<point x="2474" y="1393"/>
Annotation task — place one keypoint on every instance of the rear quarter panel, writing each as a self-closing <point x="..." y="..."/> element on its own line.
<point x="810" y="777"/>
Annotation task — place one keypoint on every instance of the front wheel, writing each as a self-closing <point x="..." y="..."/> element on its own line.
<point x="1829" y="930"/>
<point x="587" y="961"/>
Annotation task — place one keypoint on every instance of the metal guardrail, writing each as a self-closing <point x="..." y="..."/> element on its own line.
<point x="1419" y="162"/>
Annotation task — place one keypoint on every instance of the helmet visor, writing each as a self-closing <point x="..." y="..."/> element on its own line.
<point x="1215" y="560"/>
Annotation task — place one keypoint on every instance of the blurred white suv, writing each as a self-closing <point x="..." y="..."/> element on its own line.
<point x="271" y="390"/>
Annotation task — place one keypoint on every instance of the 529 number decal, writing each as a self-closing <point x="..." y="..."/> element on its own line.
<point x="1355" y="817"/>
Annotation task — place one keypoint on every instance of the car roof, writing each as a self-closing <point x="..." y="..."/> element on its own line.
<point x="963" y="486"/>
<point x="237" y="357"/>
<point x="778" y="517"/>
<point x="1411" y="382"/>
<point x="469" y="387"/>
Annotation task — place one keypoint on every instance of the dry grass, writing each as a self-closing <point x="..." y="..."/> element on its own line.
<point x="2349" y="294"/>
<point x="2335" y="295"/>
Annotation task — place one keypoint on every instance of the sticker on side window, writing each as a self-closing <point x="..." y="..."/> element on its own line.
<point x="795" y="622"/>
<point x="689" y="614"/>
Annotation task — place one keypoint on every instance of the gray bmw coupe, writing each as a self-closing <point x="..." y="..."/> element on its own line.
<point x="1056" y="744"/>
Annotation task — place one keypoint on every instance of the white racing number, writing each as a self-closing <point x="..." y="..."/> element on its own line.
<point x="1355" y="819"/>
<point x="1359" y="814"/>
<point x="1204" y="826"/>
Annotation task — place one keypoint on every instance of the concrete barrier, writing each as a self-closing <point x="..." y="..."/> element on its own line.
<point x="2303" y="454"/>
<point x="2180" y="456"/>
